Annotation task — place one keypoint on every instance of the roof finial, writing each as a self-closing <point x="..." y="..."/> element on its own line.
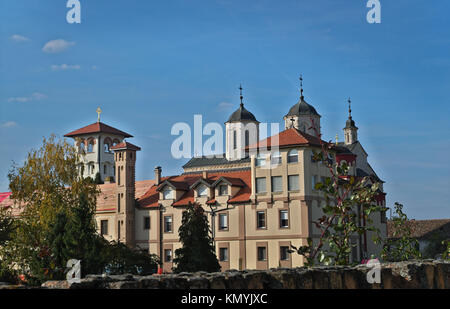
<point x="337" y="142"/>
<point x="301" y="87"/>
<point x="99" y="111"/>
<point x="240" y="88"/>
<point x="349" y="109"/>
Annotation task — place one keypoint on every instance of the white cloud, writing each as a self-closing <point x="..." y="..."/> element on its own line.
<point x="64" y="67"/>
<point x="225" y="105"/>
<point x="36" y="96"/>
<point x="19" y="38"/>
<point x="9" y="124"/>
<point x="56" y="46"/>
<point x="94" y="67"/>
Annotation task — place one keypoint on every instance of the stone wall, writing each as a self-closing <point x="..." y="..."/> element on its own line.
<point x="427" y="274"/>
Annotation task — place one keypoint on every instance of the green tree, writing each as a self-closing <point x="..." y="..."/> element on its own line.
<point x="45" y="187"/>
<point x="348" y="201"/>
<point x="121" y="259"/>
<point x="197" y="251"/>
<point x="401" y="246"/>
<point x="7" y="227"/>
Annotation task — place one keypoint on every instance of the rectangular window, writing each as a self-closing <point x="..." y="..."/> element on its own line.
<point x="223" y="221"/>
<point x="293" y="183"/>
<point x="234" y="140"/>
<point x="261" y="185"/>
<point x="284" y="218"/>
<point x="223" y="254"/>
<point x="284" y="253"/>
<point x="262" y="253"/>
<point x="260" y="160"/>
<point x="277" y="184"/>
<point x="223" y="190"/>
<point x="104" y="227"/>
<point x="314" y="181"/>
<point x="168" y="224"/>
<point x="168" y="194"/>
<point x="261" y="220"/>
<point x="202" y="190"/>
<point x="146" y="223"/>
<point x="118" y="202"/>
<point x="167" y="255"/>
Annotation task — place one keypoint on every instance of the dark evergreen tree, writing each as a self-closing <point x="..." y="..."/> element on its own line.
<point x="81" y="239"/>
<point x="197" y="253"/>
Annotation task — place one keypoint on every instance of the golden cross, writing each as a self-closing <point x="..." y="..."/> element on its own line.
<point x="99" y="111"/>
<point x="337" y="140"/>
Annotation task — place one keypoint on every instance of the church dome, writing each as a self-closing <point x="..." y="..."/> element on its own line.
<point x="241" y="114"/>
<point x="350" y="123"/>
<point x="302" y="108"/>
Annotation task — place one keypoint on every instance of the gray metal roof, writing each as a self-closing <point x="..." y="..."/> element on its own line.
<point x="302" y="108"/>
<point x="241" y="114"/>
<point x="206" y="161"/>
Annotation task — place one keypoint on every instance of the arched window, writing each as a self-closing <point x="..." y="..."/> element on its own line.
<point x="90" y="147"/>
<point x="234" y="140"/>
<point x="82" y="146"/>
<point x="276" y="158"/>
<point x="247" y="138"/>
<point x="293" y="156"/>
<point x="202" y="190"/>
<point x="106" y="147"/>
<point x="260" y="160"/>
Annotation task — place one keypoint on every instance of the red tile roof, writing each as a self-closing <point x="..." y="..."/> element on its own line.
<point x="423" y="229"/>
<point x="97" y="127"/>
<point x="4" y="195"/>
<point x="125" y="145"/>
<point x="287" y="138"/>
<point x="243" y="178"/>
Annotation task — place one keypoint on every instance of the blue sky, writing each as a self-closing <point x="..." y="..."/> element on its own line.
<point x="149" y="64"/>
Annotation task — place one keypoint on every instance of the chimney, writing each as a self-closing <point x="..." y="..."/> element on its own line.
<point x="157" y="175"/>
<point x="205" y="175"/>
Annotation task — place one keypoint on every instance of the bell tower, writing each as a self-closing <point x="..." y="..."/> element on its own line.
<point x="242" y="130"/>
<point x="350" y="130"/>
<point x="125" y="162"/>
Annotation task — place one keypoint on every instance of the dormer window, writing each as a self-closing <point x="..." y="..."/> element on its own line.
<point x="223" y="190"/>
<point x="202" y="191"/>
<point x="167" y="193"/>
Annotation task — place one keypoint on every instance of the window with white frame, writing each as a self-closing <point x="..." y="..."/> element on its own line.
<point x="284" y="219"/>
<point x="260" y="160"/>
<point x="293" y="183"/>
<point x="167" y="193"/>
<point x="261" y="219"/>
<point x="202" y="190"/>
<point x="167" y="255"/>
<point x="223" y="221"/>
<point x="292" y="156"/>
<point x="277" y="184"/>
<point x="223" y="254"/>
<point x="276" y="158"/>
<point x="261" y="185"/>
<point x="223" y="190"/>
<point x="168" y="228"/>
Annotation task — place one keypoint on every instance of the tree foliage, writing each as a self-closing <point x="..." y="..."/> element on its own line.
<point x="121" y="259"/>
<point x="197" y="252"/>
<point x="349" y="201"/>
<point x="401" y="246"/>
<point x="53" y="197"/>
